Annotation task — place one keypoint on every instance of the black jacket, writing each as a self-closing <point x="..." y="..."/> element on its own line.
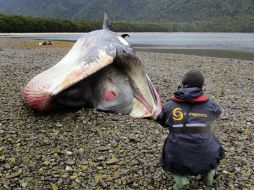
<point x="191" y="148"/>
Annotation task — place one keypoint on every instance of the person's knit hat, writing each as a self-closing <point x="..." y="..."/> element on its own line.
<point x="193" y="78"/>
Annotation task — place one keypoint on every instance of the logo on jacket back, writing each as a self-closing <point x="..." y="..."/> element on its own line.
<point x="178" y="114"/>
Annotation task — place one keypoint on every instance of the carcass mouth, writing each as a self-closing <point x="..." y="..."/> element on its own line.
<point x="121" y="87"/>
<point x="146" y="101"/>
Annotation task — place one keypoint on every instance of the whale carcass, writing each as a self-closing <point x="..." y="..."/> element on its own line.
<point x="101" y="71"/>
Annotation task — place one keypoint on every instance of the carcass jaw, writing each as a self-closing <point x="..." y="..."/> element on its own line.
<point x="144" y="104"/>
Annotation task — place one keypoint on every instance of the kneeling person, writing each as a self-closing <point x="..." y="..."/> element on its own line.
<point x="191" y="147"/>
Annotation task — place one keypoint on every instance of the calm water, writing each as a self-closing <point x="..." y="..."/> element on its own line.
<point x="234" y="45"/>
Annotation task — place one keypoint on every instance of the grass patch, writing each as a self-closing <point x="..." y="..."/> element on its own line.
<point x="34" y="44"/>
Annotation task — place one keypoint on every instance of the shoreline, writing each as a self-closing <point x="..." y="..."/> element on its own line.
<point x="87" y="149"/>
<point x="217" y="53"/>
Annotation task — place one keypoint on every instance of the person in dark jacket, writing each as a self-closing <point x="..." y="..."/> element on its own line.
<point x="191" y="147"/>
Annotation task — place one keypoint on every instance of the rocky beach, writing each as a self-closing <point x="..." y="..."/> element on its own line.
<point x="87" y="149"/>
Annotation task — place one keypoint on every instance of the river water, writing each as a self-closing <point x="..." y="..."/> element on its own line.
<point x="233" y="45"/>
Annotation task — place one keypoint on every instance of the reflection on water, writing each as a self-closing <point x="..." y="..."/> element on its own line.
<point x="233" y="45"/>
<point x="183" y="40"/>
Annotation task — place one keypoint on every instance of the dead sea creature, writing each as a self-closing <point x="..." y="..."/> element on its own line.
<point x="101" y="71"/>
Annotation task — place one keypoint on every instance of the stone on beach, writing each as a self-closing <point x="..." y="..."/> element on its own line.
<point x="87" y="149"/>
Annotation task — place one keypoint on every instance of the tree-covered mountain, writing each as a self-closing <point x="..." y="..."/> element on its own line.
<point x="134" y="10"/>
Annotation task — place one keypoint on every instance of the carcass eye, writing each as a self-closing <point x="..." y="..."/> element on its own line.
<point x="108" y="95"/>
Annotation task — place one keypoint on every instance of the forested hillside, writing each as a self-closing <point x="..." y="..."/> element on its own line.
<point x="36" y="24"/>
<point x="141" y="10"/>
<point x="10" y="23"/>
<point x="128" y="15"/>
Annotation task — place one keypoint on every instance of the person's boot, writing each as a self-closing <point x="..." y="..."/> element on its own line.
<point x="181" y="182"/>
<point x="208" y="178"/>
